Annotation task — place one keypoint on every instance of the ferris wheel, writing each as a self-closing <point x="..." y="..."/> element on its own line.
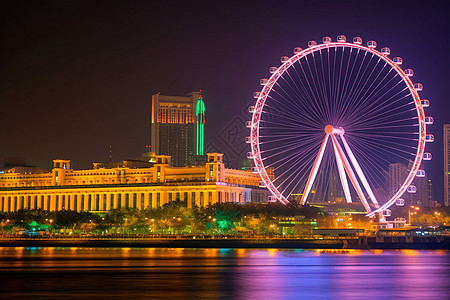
<point x="333" y="119"/>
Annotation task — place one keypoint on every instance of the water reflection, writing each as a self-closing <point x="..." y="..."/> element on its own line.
<point x="123" y="273"/>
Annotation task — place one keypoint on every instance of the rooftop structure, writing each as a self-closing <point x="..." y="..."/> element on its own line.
<point x="177" y="126"/>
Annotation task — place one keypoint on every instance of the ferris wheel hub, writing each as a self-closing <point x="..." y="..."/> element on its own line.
<point x="339" y="131"/>
<point x="328" y="129"/>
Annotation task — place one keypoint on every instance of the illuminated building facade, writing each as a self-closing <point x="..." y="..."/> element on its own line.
<point x="446" y="164"/>
<point x="177" y="126"/>
<point x="129" y="186"/>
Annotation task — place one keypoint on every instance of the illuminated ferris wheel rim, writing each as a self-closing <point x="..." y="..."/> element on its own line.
<point x="258" y="109"/>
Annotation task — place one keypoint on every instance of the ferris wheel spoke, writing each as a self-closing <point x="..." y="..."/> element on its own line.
<point x="345" y="90"/>
<point x="316" y="101"/>
<point x="290" y="149"/>
<point x="302" y="155"/>
<point x="385" y="106"/>
<point x="366" y="103"/>
<point x="387" y="113"/>
<point x="287" y="107"/>
<point x="326" y="84"/>
<point x="330" y="89"/>
<point x="375" y="156"/>
<point x="338" y="81"/>
<point x="314" y="84"/>
<point x="389" y="148"/>
<point x="341" y="86"/>
<point x="384" y="126"/>
<point x="372" y="163"/>
<point x="285" y="140"/>
<point x="375" y="165"/>
<point x="305" y="127"/>
<point x="386" y="117"/>
<point x="364" y="88"/>
<point x="296" y="165"/>
<point x="368" y="98"/>
<point x="367" y="78"/>
<point x="275" y="131"/>
<point x="362" y="126"/>
<point x="386" y="139"/>
<point x="401" y="147"/>
<point x="281" y="152"/>
<point x="293" y="177"/>
<point x="276" y="113"/>
<point x="295" y="90"/>
<point x="284" y="155"/>
<point x="314" y="108"/>
<point x="291" y="101"/>
<point x="371" y="88"/>
<point x="321" y="84"/>
<point x="408" y="109"/>
<point x="360" y="76"/>
<point x="296" y="181"/>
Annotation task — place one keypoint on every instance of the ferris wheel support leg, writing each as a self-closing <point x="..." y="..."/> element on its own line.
<point x="344" y="181"/>
<point x="350" y="173"/>
<point x="359" y="172"/>
<point x="314" y="169"/>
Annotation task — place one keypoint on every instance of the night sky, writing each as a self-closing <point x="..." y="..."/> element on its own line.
<point x="77" y="76"/>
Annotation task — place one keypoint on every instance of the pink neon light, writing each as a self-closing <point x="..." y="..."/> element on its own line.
<point x="314" y="169"/>
<point x="344" y="182"/>
<point x="350" y="173"/>
<point x="254" y="132"/>
<point x="359" y="171"/>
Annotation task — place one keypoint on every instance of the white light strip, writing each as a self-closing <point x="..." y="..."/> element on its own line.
<point x="359" y="172"/>
<point x="344" y="182"/>
<point x="350" y="173"/>
<point x="314" y="169"/>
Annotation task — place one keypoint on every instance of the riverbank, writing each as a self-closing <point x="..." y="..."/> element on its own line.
<point x="360" y="243"/>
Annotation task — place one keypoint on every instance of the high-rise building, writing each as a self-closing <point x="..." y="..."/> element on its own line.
<point x="397" y="175"/>
<point x="177" y="126"/>
<point x="421" y="196"/>
<point x="446" y="164"/>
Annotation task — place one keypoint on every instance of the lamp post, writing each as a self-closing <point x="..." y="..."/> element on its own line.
<point x="412" y="213"/>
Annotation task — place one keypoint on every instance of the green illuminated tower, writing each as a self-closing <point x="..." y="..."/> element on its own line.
<point x="200" y="123"/>
<point x="177" y="127"/>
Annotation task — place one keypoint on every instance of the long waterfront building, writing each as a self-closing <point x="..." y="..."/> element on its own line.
<point x="131" y="184"/>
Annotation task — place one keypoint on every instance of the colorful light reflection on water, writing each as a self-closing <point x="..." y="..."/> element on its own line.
<point x="123" y="273"/>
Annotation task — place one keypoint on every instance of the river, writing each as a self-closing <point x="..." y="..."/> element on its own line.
<point x="177" y="273"/>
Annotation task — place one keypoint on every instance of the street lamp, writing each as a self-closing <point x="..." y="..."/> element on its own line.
<point x="412" y="213"/>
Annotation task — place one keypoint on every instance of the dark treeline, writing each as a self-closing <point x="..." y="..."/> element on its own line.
<point x="171" y="218"/>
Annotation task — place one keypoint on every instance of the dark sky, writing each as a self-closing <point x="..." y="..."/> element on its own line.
<point x="77" y="76"/>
